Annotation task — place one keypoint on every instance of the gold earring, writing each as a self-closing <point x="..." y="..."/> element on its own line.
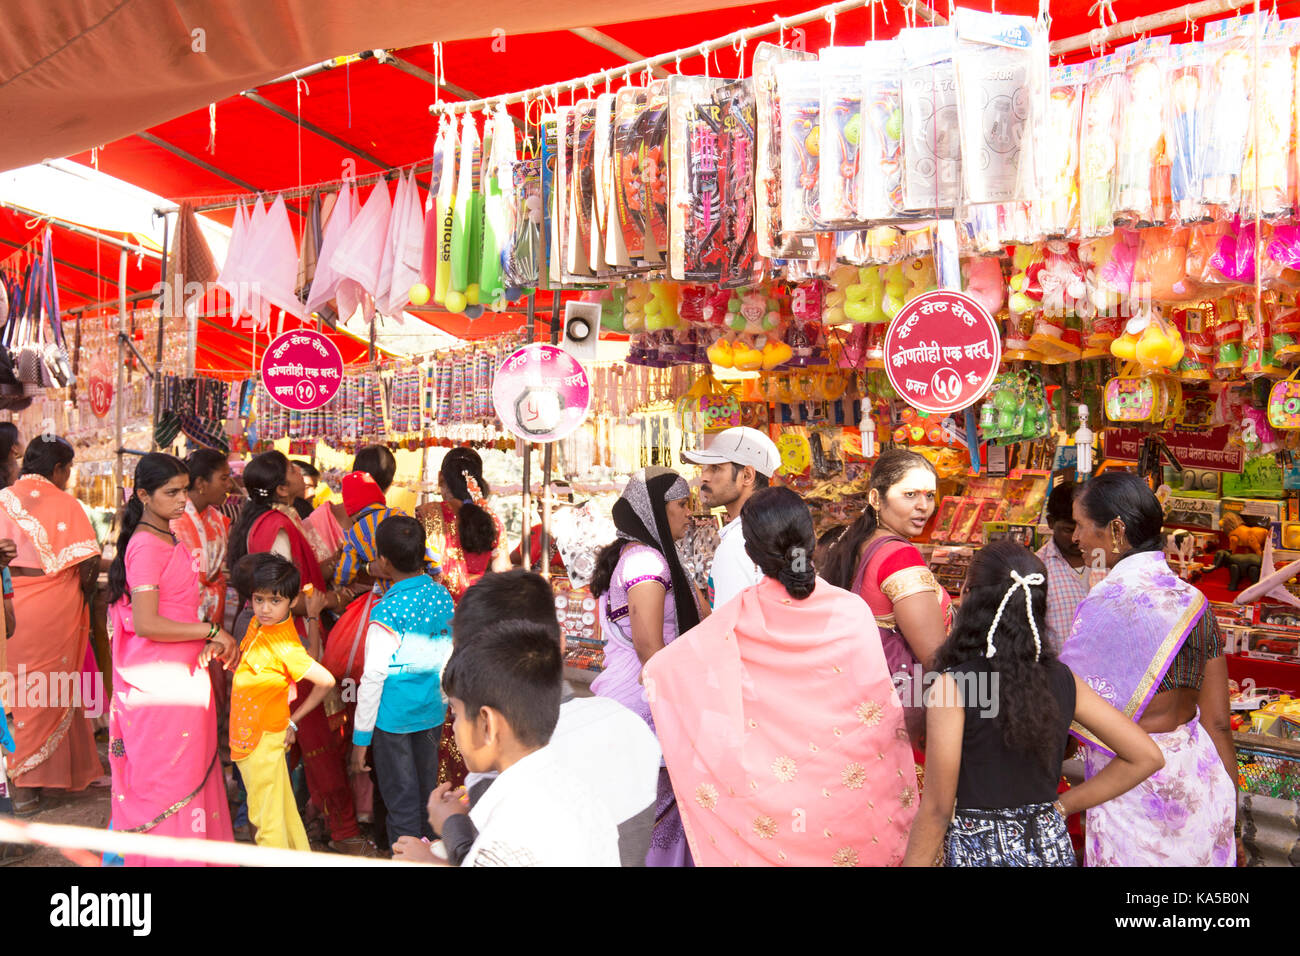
<point x="1114" y="539"/>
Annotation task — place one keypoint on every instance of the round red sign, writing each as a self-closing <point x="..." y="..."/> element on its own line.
<point x="99" y="387"/>
<point x="942" y="352"/>
<point x="302" y="370"/>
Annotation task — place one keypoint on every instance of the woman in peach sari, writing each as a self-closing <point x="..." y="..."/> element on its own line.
<point x="780" y="725"/>
<point x="57" y="563"/>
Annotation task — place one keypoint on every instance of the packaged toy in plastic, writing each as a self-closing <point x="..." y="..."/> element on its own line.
<point x="931" y="138"/>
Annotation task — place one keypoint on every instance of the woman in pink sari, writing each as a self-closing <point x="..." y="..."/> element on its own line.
<point x="56" y="565"/>
<point x="167" y="778"/>
<point x="780" y="725"/>
<point x="1146" y="642"/>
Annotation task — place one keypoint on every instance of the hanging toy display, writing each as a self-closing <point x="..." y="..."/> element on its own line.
<point x="1194" y="325"/>
<point x="932" y="159"/>
<point x="1015" y="410"/>
<point x="799" y="88"/>
<point x="1058" y="208"/>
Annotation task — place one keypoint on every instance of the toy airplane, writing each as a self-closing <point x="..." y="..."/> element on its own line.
<point x="1272" y="581"/>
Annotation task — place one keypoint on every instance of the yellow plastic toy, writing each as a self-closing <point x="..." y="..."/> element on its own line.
<point x="661" y="310"/>
<point x="866" y="297"/>
<point x="833" y="307"/>
<point x="921" y="278"/>
<point x="895" y="290"/>
<point x="634" y="305"/>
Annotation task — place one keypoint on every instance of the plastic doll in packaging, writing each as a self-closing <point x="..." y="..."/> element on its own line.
<point x="1183" y="127"/>
<point x="1141" y="184"/>
<point x="1102" y="104"/>
<point x="1058" y="153"/>
<point x="1229" y="47"/>
<point x="1112" y="260"/>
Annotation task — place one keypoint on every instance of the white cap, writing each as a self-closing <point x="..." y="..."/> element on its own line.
<point x="739" y="446"/>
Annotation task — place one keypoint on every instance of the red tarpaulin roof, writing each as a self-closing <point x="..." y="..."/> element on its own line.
<point x="380" y="110"/>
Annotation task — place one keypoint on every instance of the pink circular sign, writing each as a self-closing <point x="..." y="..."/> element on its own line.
<point x="541" y="393"/>
<point x="942" y="352"/>
<point x="302" y="370"/>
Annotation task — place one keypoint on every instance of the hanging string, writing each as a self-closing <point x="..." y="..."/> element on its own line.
<point x="704" y="51"/>
<point x="780" y="36"/>
<point x="299" y="85"/>
<point x="830" y="18"/>
<point x="347" y="88"/>
<point x="871" y="8"/>
<point x="739" y="49"/>
<point x="212" y="128"/>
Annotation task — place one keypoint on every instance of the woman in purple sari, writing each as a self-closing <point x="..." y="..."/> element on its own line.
<point x="1147" y="643"/>
<point x="646" y="602"/>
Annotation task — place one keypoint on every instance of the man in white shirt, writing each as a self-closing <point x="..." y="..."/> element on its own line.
<point x="738" y="462"/>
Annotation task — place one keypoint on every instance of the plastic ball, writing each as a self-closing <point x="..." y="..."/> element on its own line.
<point x="894" y="126"/>
<point x="419" y="294"/>
<point x="813" y="142"/>
<point x="472" y="294"/>
<point x="456" y="301"/>
<point x="853" y="129"/>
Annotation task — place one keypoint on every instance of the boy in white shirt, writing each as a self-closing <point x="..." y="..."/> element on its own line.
<point x="737" y="463"/>
<point x="504" y="693"/>
<point x="597" y="740"/>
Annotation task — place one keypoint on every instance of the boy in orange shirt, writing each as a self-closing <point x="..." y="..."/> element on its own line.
<point x="271" y="661"/>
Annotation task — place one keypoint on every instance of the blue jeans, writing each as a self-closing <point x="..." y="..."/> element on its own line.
<point x="407" y="767"/>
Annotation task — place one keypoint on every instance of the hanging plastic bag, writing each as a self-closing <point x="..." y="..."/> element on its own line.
<point x="1271" y="141"/>
<point x="772" y="240"/>
<point x="629" y="105"/>
<point x="654" y="170"/>
<point x="999" y="75"/>
<point x="1057" y="210"/>
<point x="880" y="190"/>
<point x="498" y="153"/>
<point x="466" y="217"/>
<point x="931" y="140"/>
<point x="1229" y="49"/>
<point x="843" y="70"/>
<point x="734" y="102"/>
<point x="696" y="213"/>
<point x="799" y="86"/>
<point x="1102" y="104"/>
<point x="1141" y="189"/>
<point x="1184" y="129"/>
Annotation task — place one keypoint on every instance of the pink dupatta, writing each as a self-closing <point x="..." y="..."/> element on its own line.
<point x="783" y="733"/>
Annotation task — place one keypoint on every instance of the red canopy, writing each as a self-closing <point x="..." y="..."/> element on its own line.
<point x="358" y="117"/>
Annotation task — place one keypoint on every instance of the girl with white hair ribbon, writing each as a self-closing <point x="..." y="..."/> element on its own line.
<point x="997" y="718"/>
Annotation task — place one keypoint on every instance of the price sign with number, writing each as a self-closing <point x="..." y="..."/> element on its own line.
<point x="942" y="352"/>
<point x="541" y="393"/>
<point x="302" y="370"/>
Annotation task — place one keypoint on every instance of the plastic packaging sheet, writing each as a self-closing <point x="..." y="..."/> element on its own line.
<point x="931" y="141"/>
<point x="799" y="87"/>
<point x="773" y="241"/>
<point x="1102" y="103"/>
<point x="999" y="75"/>
<point x="1141" y="189"/>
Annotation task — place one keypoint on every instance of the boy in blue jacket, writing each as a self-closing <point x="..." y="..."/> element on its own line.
<point x="399" y="703"/>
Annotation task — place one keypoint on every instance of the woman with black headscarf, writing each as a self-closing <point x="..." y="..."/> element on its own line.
<point x="646" y="602"/>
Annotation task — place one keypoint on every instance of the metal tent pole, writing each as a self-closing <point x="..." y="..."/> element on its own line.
<point x="548" y="458"/>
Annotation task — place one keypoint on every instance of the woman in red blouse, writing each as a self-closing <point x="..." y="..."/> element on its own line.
<point x="876" y="560"/>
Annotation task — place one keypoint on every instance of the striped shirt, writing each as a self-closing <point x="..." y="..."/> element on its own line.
<point x="360" y="547"/>
<point x="1066" y="587"/>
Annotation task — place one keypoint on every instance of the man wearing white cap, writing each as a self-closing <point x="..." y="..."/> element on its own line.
<point x="738" y="462"/>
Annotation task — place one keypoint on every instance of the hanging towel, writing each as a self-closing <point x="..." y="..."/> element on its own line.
<point x="310" y="250"/>
<point x="406" y="247"/>
<point x="229" y="278"/>
<point x="325" y="284"/>
<point x="189" y="260"/>
<point x="273" y="261"/>
<point x="358" y="259"/>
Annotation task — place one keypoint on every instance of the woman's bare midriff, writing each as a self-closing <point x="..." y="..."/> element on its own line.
<point x="1169" y="710"/>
